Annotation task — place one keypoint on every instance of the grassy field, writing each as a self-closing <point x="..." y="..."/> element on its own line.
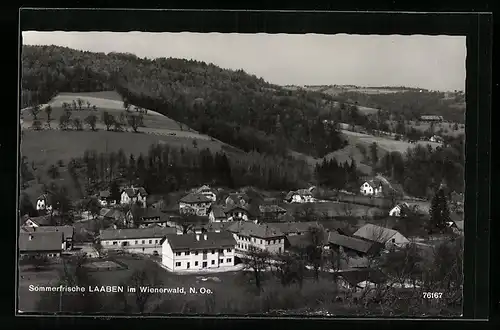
<point x="447" y="127"/>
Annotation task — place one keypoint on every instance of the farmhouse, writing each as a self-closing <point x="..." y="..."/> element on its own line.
<point x="134" y="195"/>
<point x="49" y="244"/>
<point x="371" y="187"/>
<point x="300" y="196"/>
<point x="352" y="246"/>
<point x="142" y="240"/>
<point x="262" y="236"/>
<point x="431" y="118"/>
<point x="198" y="251"/>
<point x="67" y="231"/>
<point x="399" y="210"/>
<point x="208" y="192"/>
<point x="112" y="215"/>
<point x="294" y="228"/>
<point x="217" y="214"/>
<point x="388" y="237"/>
<point x="105" y="199"/>
<point x="196" y="204"/>
<point x="42" y="203"/>
<point x="152" y="216"/>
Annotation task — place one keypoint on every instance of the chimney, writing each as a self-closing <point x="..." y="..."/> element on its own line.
<point x="205" y="237"/>
<point x="197" y="237"/>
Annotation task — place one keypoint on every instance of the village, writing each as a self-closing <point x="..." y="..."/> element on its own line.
<point x="214" y="230"/>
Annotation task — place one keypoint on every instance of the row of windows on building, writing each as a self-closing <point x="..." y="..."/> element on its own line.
<point x="156" y="241"/>
<point x="186" y="253"/>
<point x="196" y="263"/>
<point x="245" y="247"/>
<point x="254" y="240"/>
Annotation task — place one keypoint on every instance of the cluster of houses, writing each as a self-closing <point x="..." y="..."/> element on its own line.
<point x="232" y="225"/>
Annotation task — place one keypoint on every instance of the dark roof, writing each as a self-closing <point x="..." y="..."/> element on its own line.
<point x="271" y="209"/>
<point x="213" y="226"/>
<point x="375" y="233"/>
<point x="152" y="232"/>
<point x="218" y="211"/>
<point x="68" y="231"/>
<point x="43" y="220"/>
<point x="250" y="229"/>
<point x="41" y="241"/>
<point x="350" y="242"/>
<point x="149" y="213"/>
<point x="42" y="196"/>
<point x="213" y="240"/>
<point x="110" y="213"/>
<point x="133" y="191"/>
<point x="356" y="276"/>
<point x="294" y="227"/>
<point x="104" y="194"/>
<point x="195" y="198"/>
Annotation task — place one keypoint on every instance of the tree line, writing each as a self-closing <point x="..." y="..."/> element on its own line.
<point x="232" y="106"/>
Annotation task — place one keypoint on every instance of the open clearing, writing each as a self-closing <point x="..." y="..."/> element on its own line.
<point x="49" y="146"/>
<point x="388" y="145"/>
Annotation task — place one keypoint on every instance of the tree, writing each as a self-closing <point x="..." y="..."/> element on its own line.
<point x="48" y="111"/>
<point x="93" y="207"/>
<point x="53" y="171"/>
<point x="80" y="103"/>
<point x="91" y="121"/>
<point x="77" y="124"/>
<point x="195" y="143"/>
<point x="36" y="125"/>
<point x="114" y="191"/>
<point x="148" y="277"/>
<point x="64" y="121"/>
<point x="108" y="119"/>
<point x="98" y="247"/>
<point x="439" y="212"/>
<point x="88" y="105"/>
<point x="126" y="105"/>
<point x="314" y="249"/>
<point x="35" y="110"/>
<point x="257" y="260"/>
<point x="135" y="121"/>
<point x="404" y="265"/>
<point x="288" y="268"/>
<point x="26" y="206"/>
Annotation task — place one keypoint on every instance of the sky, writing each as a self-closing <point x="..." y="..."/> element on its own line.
<point x="430" y="62"/>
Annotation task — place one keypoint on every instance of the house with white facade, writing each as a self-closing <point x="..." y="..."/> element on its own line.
<point x="388" y="237"/>
<point x="220" y="213"/>
<point x="136" y="240"/>
<point x="42" y="203"/>
<point x="237" y="199"/>
<point x="359" y="279"/>
<point x="271" y="212"/>
<point x="199" y="251"/>
<point x="398" y="210"/>
<point x="48" y="244"/>
<point x="300" y="196"/>
<point x="261" y="236"/>
<point x="373" y="187"/>
<point x="194" y="203"/>
<point x="133" y="195"/>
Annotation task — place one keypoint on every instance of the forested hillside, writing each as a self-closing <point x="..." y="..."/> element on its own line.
<point x="232" y="106"/>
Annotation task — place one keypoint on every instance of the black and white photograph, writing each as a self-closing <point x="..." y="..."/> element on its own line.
<point x="241" y="174"/>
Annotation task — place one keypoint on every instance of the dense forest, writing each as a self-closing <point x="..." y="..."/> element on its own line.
<point x="232" y="106"/>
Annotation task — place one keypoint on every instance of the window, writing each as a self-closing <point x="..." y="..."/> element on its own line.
<point x="136" y="242"/>
<point x="260" y="241"/>
<point x="221" y="250"/>
<point x="213" y="251"/>
<point x="204" y="251"/>
<point x="186" y="253"/>
<point x="150" y="241"/>
<point x="213" y="262"/>
<point x="229" y="250"/>
<point x="221" y="261"/>
<point x="115" y="243"/>
<point x="196" y="263"/>
<point x="143" y="242"/>
<point x="188" y="265"/>
<point x="156" y="241"/>
<point x="228" y="260"/>
<point x="279" y="250"/>
<point x="196" y="253"/>
<point x="177" y="254"/>
<point x="177" y="264"/>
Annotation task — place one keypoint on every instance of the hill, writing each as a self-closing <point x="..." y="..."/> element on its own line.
<point x="232" y="106"/>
